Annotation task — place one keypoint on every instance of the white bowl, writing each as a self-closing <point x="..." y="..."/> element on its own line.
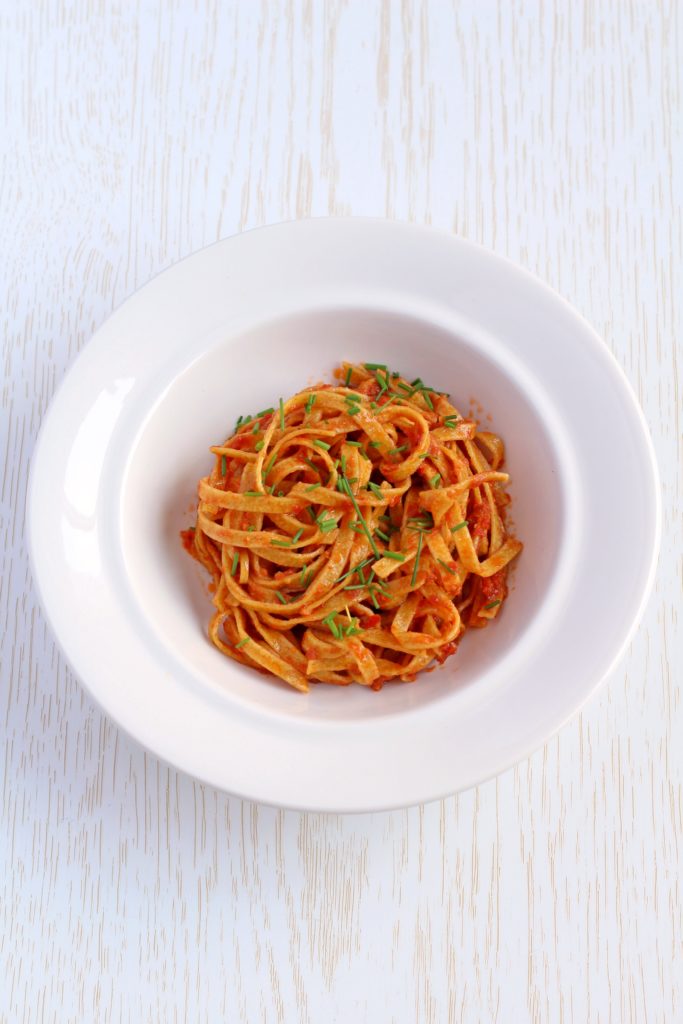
<point x="261" y="315"/>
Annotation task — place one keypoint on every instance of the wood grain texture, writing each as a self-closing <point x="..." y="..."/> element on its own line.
<point x="133" y="134"/>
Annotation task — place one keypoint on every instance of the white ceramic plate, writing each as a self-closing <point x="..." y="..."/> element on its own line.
<point x="257" y="316"/>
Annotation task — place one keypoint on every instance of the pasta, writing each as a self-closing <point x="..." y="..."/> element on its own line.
<point x="353" y="532"/>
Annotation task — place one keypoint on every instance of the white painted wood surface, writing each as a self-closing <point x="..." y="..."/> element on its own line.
<point x="134" y="133"/>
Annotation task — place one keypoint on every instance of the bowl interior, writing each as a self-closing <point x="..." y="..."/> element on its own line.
<point x="251" y="369"/>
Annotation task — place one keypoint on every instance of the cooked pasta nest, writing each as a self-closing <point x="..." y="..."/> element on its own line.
<point x="353" y="531"/>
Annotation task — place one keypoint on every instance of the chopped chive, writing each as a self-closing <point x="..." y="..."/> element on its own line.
<point x="424" y="455"/>
<point x="311" y="512"/>
<point x="259" y="446"/>
<point x="280" y="494"/>
<point x="322" y="444"/>
<point x="224" y="465"/>
<point x="491" y="604"/>
<point x="281" y="597"/>
<point x="427" y="400"/>
<point x="297" y="536"/>
<point x="250" y="529"/>
<point x="373" y="598"/>
<point x="343" y="464"/>
<point x="312" y="465"/>
<point x="235" y="563"/>
<point x="280" y="543"/>
<point x="374" y="405"/>
<point x="375" y="444"/>
<point x="355" y="444"/>
<point x="403" y="386"/>
<point x="303" y="579"/>
<point x="311" y="488"/>
<point x="381" y="535"/>
<point x="239" y="423"/>
<point x="255" y="429"/>
<point x="446" y="567"/>
<point x="353" y="410"/>
<point x="265" y="412"/>
<point x="270" y="465"/>
<point x="271" y="489"/>
<point x="361" y="565"/>
<point x="375" y="366"/>
<point x="454" y="529"/>
<point x="434" y="482"/>
<point x="253" y="494"/>
<point x="362" y="452"/>
<point x="417" y="383"/>
<point x="396" y="555"/>
<point x="377" y="491"/>
<point x="282" y="415"/>
<point x="309" y="403"/>
<point x="347" y="379"/>
<point x="396" y="451"/>
<point x="242" y="643"/>
<point x="247" y="419"/>
<point x="390" y="400"/>
<point x="361" y="520"/>
<point x="355" y="586"/>
<point x="417" y="559"/>
<point x="450" y="422"/>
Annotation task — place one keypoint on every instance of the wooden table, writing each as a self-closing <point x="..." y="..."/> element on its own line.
<point x="132" y="135"/>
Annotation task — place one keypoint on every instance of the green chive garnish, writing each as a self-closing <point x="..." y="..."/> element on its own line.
<point x="383" y="536"/>
<point x="282" y="415"/>
<point x="259" y="446"/>
<point x="446" y="567"/>
<point x="265" y="412"/>
<point x="253" y="494"/>
<point x="396" y="451"/>
<point x="309" y="403"/>
<point x="374" y="366"/>
<point x="355" y="444"/>
<point x="361" y="565"/>
<point x="270" y="465"/>
<point x="239" y="423"/>
<point x="280" y="543"/>
<point x="396" y="555"/>
<point x="242" y="643"/>
<point x="297" y="536"/>
<point x="377" y="491"/>
<point x="361" y="520"/>
<point x="224" y="465"/>
<point x="459" y="526"/>
<point x="322" y="444"/>
<point x="434" y="482"/>
<point x="281" y="597"/>
<point x="375" y="444"/>
<point x="312" y="488"/>
<point x="427" y="400"/>
<point x="347" y="379"/>
<point x="235" y="563"/>
<point x="417" y="559"/>
<point x="491" y="604"/>
<point x="450" y="422"/>
<point x="255" y="429"/>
